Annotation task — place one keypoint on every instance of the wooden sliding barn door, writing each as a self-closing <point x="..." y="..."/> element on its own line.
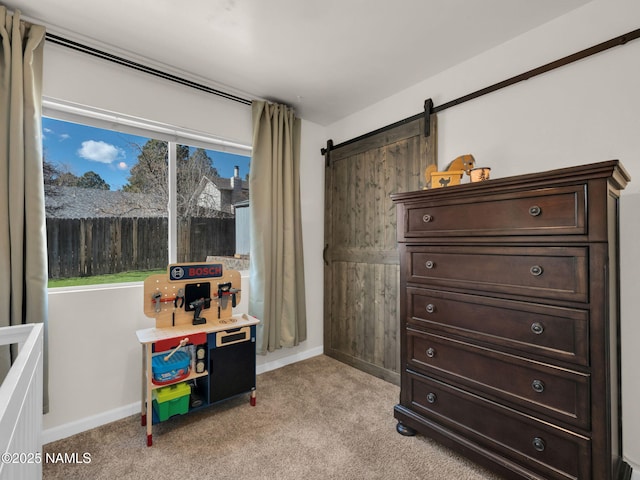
<point x="361" y="274"/>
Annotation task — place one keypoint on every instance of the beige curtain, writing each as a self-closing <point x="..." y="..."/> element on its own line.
<point x="23" y="251"/>
<point x="277" y="295"/>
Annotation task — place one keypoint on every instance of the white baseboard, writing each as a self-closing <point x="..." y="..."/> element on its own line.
<point x="72" y="428"/>
<point x="288" y="360"/>
<point x="63" y="431"/>
<point x="635" y="474"/>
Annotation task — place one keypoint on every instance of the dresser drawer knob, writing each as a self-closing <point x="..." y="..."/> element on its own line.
<point x="539" y="444"/>
<point x="431" y="352"/>
<point x="427" y="218"/>
<point x="429" y="264"/>
<point x="537" y="328"/>
<point x="431" y="308"/>
<point x="536" y="270"/>
<point x="431" y="397"/>
<point x="538" y="386"/>
<point x="535" y="210"/>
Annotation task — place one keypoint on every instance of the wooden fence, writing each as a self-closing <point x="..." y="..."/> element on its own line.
<point x="96" y="246"/>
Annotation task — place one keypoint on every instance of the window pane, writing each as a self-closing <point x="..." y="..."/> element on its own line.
<point x="212" y="207"/>
<point x="106" y="204"/>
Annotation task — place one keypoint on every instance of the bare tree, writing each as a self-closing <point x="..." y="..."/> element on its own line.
<point x="150" y="174"/>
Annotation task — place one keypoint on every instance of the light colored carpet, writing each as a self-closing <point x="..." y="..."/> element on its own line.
<point x="316" y="419"/>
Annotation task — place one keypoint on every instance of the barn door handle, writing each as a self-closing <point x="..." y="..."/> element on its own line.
<point x="324" y="254"/>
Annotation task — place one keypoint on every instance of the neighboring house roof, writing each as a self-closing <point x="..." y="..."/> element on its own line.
<point x="75" y="202"/>
<point x="221" y="183"/>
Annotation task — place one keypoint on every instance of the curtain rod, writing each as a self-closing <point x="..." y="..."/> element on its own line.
<point x="142" y="68"/>
<point x="429" y="108"/>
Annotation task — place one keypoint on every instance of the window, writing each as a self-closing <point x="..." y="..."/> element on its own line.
<point x="122" y="204"/>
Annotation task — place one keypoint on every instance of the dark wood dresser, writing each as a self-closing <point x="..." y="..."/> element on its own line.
<point x="510" y="325"/>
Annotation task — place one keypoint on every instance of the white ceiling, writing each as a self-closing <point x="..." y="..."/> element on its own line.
<point x="326" y="58"/>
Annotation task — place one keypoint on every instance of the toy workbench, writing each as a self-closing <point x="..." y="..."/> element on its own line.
<point x="199" y="352"/>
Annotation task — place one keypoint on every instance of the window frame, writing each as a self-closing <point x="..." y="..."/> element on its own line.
<point x="174" y="136"/>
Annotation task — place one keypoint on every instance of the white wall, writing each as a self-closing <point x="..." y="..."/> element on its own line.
<point x="94" y="357"/>
<point x="582" y="113"/>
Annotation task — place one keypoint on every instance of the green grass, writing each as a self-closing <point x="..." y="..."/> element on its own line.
<point x="123" y="277"/>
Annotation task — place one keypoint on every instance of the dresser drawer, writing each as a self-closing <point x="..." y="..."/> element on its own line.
<point x="554" y="332"/>
<point x="542" y="272"/>
<point x="553" y="453"/>
<point x="555" y="392"/>
<point x="549" y="211"/>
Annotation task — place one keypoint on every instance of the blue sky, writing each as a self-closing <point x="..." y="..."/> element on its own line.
<point x="80" y="148"/>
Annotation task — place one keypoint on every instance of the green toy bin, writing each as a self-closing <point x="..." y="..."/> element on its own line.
<point x="171" y="400"/>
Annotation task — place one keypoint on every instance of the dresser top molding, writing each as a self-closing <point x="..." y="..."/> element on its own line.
<point x="612" y="169"/>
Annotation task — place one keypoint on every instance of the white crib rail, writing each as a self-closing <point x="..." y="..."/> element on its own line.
<point x="21" y="405"/>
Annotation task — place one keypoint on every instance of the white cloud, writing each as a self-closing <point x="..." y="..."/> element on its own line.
<point x="100" y="151"/>
<point x="61" y="137"/>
